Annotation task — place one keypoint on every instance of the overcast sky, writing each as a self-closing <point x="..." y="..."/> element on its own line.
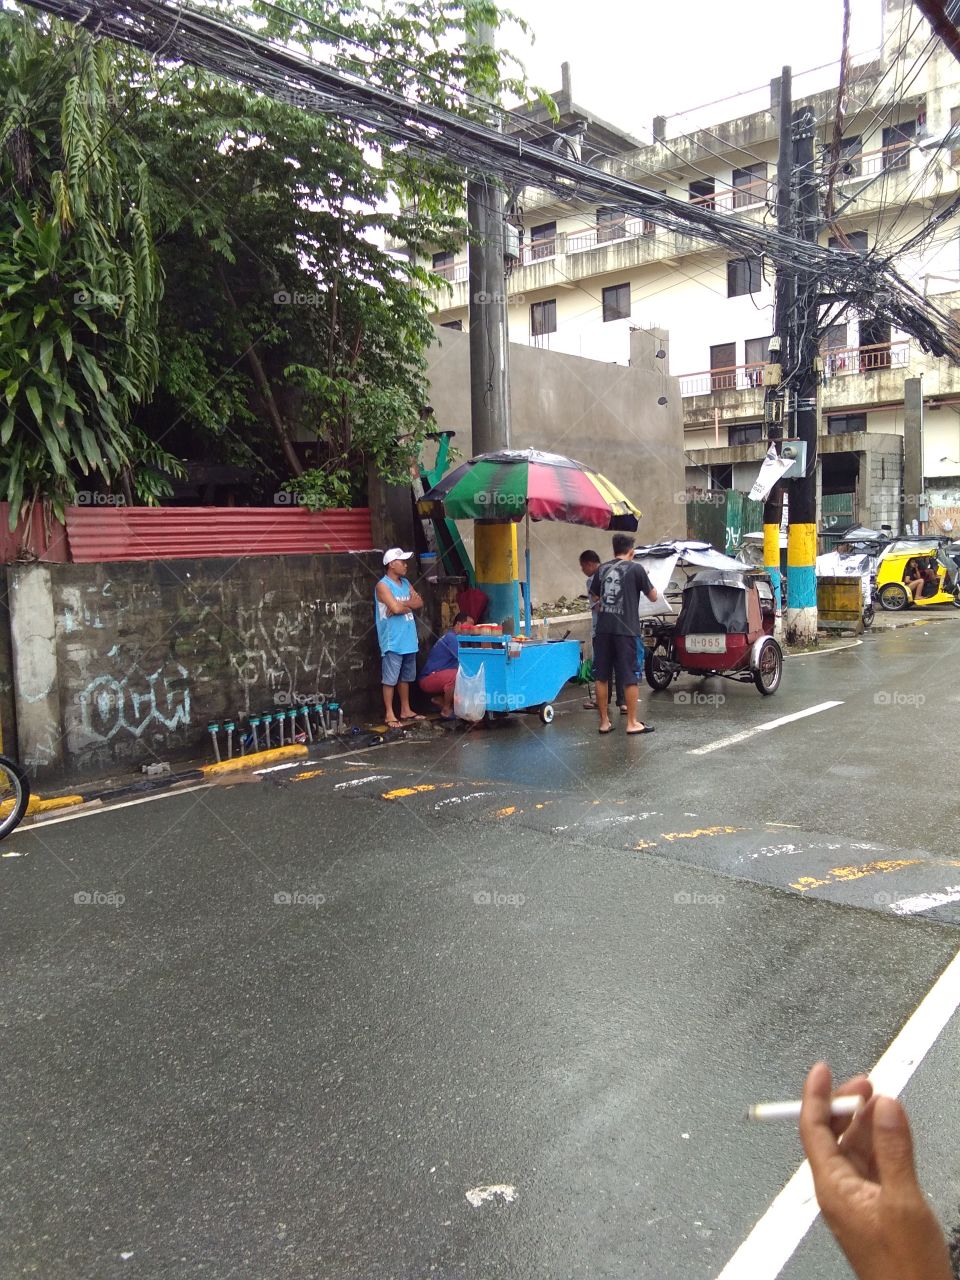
<point x="632" y="59"/>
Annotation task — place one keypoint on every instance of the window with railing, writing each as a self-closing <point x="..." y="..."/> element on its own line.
<point x="543" y="241"/>
<point x="897" y="141"/>
<point x="702" y="192"/>
<point x="756" y="353"/>
<point x="749" y="185"/>
<point x="444" y="264"/>
<point x="851" y="157"/>
<point x="611" y="225"/>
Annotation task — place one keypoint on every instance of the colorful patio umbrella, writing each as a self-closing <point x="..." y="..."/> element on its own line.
<point x="512" y="483"/>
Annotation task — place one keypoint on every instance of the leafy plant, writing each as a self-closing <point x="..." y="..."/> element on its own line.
<point x="79" y="279"/>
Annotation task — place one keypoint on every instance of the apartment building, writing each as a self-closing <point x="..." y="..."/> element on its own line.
<point x="584" y="276"/>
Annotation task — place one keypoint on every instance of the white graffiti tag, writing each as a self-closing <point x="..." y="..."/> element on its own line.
<point x="135" y="703"/>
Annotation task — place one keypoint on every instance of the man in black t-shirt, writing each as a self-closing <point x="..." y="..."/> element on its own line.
<point x="616" y="589"/>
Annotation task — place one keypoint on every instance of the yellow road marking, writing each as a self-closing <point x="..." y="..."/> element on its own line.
<point x="505" y="813"/>
<point x="839" y="875"/>
<point x="400" y="793"/>
<point x="311" y="773"/>
<point x="700" y="831"/>
<point x="646" y="844"/>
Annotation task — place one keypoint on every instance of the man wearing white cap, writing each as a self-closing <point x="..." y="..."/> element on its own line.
<point x="395" y="601"/>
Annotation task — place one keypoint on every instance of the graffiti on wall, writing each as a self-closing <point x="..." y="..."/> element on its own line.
<point x="135" y="702"/>
<point x="282" y="653"/>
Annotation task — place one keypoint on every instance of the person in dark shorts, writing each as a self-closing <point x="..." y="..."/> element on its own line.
<point x="616" y="588"/>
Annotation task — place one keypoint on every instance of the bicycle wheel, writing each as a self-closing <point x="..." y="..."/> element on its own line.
<point x="14" y="795"/>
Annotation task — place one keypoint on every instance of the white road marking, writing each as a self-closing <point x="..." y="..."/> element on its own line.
<point x="775" y="1238"/>
<point x="275" y="768"/>
<point x="362" y="782"/>
<point x="823" y="653"/>
<point x="123" y="804"/>
<point x="477" y="1195"/>
<point x="762" y="728"/>
<point x="926" y="901"/>
<point x="473" y="795"/>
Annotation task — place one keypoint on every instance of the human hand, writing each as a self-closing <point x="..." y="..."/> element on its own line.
<point x="867" y="1186"/>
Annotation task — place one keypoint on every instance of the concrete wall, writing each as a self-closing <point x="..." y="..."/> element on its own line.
<point x="602" y="414"/>
<point x="114" y="664"/>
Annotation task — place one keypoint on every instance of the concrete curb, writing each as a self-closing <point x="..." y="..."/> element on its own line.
<point x="208" y="772"/>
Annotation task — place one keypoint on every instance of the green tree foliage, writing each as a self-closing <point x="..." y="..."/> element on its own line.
<point x="80" y="282"/>
<point x="290" y="331"/>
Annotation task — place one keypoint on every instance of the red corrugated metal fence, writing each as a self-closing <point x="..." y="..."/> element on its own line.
<point x="175" y="533"/>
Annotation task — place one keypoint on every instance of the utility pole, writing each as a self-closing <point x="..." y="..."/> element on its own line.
<point x="801" y="611"/>
<point x="773" y="405"/>
<point x="495" y="545"/>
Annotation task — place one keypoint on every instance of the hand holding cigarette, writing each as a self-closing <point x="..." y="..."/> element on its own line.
<point x="866" y="1183"/>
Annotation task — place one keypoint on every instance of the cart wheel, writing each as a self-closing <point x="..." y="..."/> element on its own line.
<point x="546" y="713"/>
<point x="769" y="668"/>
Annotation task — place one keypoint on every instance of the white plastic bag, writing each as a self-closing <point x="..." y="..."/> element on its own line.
<point x="470" y="695"/>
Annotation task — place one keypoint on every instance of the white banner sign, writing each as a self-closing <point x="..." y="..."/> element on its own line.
<point x="773" y="468"/>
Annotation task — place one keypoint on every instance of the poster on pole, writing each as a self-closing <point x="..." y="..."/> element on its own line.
<point x="773" y="468"/>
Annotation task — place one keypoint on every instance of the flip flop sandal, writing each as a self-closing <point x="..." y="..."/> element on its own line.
<point x="606" y="731"/>
<point x="393" y="724"/>
<point x="647" y="728"/>
<point x="410" y="719"/>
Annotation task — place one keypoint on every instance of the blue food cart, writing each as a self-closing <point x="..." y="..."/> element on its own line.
<point x="520" y="676"/>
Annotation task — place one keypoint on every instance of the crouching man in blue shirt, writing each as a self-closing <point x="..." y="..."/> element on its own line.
<point x="439" y="674"/>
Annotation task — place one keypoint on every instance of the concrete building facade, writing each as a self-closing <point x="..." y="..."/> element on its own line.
<point x="587" y="276"/>
<point x="608" y="416"/>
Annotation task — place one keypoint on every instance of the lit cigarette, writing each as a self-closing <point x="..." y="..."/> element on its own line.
<point x="846" y="1106"/>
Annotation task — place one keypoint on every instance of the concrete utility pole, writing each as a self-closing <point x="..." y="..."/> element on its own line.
<point x="489" y="344"/>
<point x="801" y="611"/>
<point x="495" y="545"/>
<point x="773" y="406"/>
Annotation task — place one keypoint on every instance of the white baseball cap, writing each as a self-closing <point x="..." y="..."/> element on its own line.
<point x="396" y="553"/>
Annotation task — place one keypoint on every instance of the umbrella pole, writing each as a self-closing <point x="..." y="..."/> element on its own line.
<point x="527" y="620"/>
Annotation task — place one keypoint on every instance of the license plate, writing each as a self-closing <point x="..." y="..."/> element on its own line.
<point x="706" y="644"/>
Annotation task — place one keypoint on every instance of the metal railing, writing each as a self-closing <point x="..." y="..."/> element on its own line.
<point x="734" y="377"/>
<point x="843" y="361"/>
<point x="760" y="191"/>
<point x="836" y="363"/>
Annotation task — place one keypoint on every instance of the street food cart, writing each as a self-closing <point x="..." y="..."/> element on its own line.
<point x="522" y="672"/>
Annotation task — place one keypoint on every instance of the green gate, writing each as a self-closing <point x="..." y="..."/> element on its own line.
<point x="722" y="517"/>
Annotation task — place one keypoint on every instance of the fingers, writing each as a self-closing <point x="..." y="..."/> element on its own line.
<point x="893" y="1148"/>
<point x="818" y="1138"/>
<point x="856" y="1086"/>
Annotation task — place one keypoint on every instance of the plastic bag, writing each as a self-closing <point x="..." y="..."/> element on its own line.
<point x="470" y="695"/>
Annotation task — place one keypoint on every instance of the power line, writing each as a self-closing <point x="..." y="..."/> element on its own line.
<point x="209" y="41"/>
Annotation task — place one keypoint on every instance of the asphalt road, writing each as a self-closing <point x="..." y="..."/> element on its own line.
<point x="531" y="959"/>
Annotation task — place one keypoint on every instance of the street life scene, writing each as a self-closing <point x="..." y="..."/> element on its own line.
<point x="479" y="624"/>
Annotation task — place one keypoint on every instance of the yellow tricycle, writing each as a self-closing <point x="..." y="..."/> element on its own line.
<point x="916" y="573"/>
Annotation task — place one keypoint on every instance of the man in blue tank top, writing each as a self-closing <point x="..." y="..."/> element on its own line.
<point x="394" y="603"/>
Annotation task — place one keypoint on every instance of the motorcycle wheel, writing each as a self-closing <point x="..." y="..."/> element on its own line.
<point x="656" y="674"/>
<point x="869" y="614"/>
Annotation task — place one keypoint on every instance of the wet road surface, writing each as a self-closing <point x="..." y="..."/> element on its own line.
<point x="484" y="1005"/>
